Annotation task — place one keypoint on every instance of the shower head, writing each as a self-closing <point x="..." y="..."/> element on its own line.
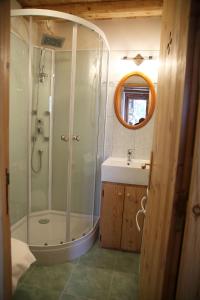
<point x="53" y="41"/>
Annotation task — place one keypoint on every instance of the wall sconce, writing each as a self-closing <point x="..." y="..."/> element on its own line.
<point x="138" y="59"/>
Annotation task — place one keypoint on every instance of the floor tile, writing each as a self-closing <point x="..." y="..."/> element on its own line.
<point x="30" y="293"/>
<point x="127" y="262"/>
<point x="49" y="277"/>
<point x="26" y="275"/>
<point x="89" y="282"/>
<point x="124" y="286"/>
<point x="70" y="297"/>
<point x="99" y="258"/>
<point x="100" y="274"/>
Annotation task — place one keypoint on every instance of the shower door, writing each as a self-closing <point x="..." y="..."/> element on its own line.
<point x="85" y="133"/>
<point x="60" y="139"/>
<point x="51" y="79"/>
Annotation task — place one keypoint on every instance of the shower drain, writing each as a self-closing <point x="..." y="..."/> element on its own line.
<point x="44" y="221"/>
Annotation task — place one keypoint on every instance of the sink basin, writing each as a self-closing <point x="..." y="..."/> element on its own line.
<point x="119" y="170"/>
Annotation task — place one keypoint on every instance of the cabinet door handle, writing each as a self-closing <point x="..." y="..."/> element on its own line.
<point x="128" y="195"/>
<point x="120" y="194"/>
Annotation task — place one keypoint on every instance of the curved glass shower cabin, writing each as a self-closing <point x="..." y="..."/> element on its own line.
<point x="58" y="92"/>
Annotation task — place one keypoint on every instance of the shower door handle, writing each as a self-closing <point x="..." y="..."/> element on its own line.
<point x="64" y="138"/>
<point x="76" y="138"/>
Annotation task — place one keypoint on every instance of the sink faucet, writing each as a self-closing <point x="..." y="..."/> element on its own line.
<point x="130" y="153"/>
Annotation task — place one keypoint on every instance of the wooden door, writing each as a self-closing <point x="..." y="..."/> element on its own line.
<point x="189" y="271"/>
<point x="163" y="224"/>
<point x="5" y="255"/>
<point x="131" y="237"/>
<point x="111" y="215"/>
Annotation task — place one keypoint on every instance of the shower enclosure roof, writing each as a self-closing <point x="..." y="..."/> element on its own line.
<point x="60" y="15"/>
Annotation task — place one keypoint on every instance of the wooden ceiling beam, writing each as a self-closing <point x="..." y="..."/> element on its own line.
<point x="105" y="9"/>
<point x="31" y="3"/>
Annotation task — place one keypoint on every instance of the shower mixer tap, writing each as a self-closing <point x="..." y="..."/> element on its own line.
<point x="39" y="126"/>
<point x="42" y="76"/>
<point x="40" y="130"/>
<point x="40" y="151"/>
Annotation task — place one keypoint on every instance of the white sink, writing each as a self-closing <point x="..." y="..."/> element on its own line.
<point x="115" y="169"/>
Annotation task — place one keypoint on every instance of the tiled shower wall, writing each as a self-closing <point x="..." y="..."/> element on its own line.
<point x="128" y="38"/>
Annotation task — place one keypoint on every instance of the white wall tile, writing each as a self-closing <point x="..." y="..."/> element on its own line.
<point x="128" y="38"/>
<point x="122" y="138"/>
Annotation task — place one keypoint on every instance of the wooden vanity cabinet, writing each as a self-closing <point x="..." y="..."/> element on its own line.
<point x="131" y="238"/>
<point x="119" y="206"/>
<point x="112" y="205"/>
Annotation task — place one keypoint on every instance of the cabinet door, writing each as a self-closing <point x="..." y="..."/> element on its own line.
<point x="111" y="215"/>
<point x="131" y="237"/>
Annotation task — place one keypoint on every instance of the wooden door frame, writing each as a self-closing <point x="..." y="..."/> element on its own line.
<point x="189" y="269"/>
<point x="171" y="169"/>
<point x="5" y="251"/>
<point x="188" y="286"/>
<point x="185" y="157"/>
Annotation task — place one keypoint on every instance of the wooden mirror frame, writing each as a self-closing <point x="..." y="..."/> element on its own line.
<point x="117" y="100"/>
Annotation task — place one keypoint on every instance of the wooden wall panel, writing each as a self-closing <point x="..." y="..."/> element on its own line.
<point x="4" y="110"/>
<point x="166" y="144"/>
<point x="101" y="9"/>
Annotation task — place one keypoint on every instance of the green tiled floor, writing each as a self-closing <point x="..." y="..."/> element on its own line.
<point x="100" y="274"/>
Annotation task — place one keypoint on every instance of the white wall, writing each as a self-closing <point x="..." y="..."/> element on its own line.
<point x="132" y="34"/>
<point x="128" y="37"/>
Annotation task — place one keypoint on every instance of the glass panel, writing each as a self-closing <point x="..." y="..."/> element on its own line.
<point x="60" y="146"/>
<point x="41" y="66"/>
<point x="41" y="85"/>
<point x="85" y="127"/>
<point x="103" y="73"/>
<point x="51" y="69"/>
<point x="18" y="135"/>
<point x="61" y="127"/>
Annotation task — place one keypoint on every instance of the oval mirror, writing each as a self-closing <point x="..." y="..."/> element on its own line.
<point x="134" y="101"/>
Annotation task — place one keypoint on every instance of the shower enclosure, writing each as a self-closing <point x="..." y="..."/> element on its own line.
<point x="58" y="92"/>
